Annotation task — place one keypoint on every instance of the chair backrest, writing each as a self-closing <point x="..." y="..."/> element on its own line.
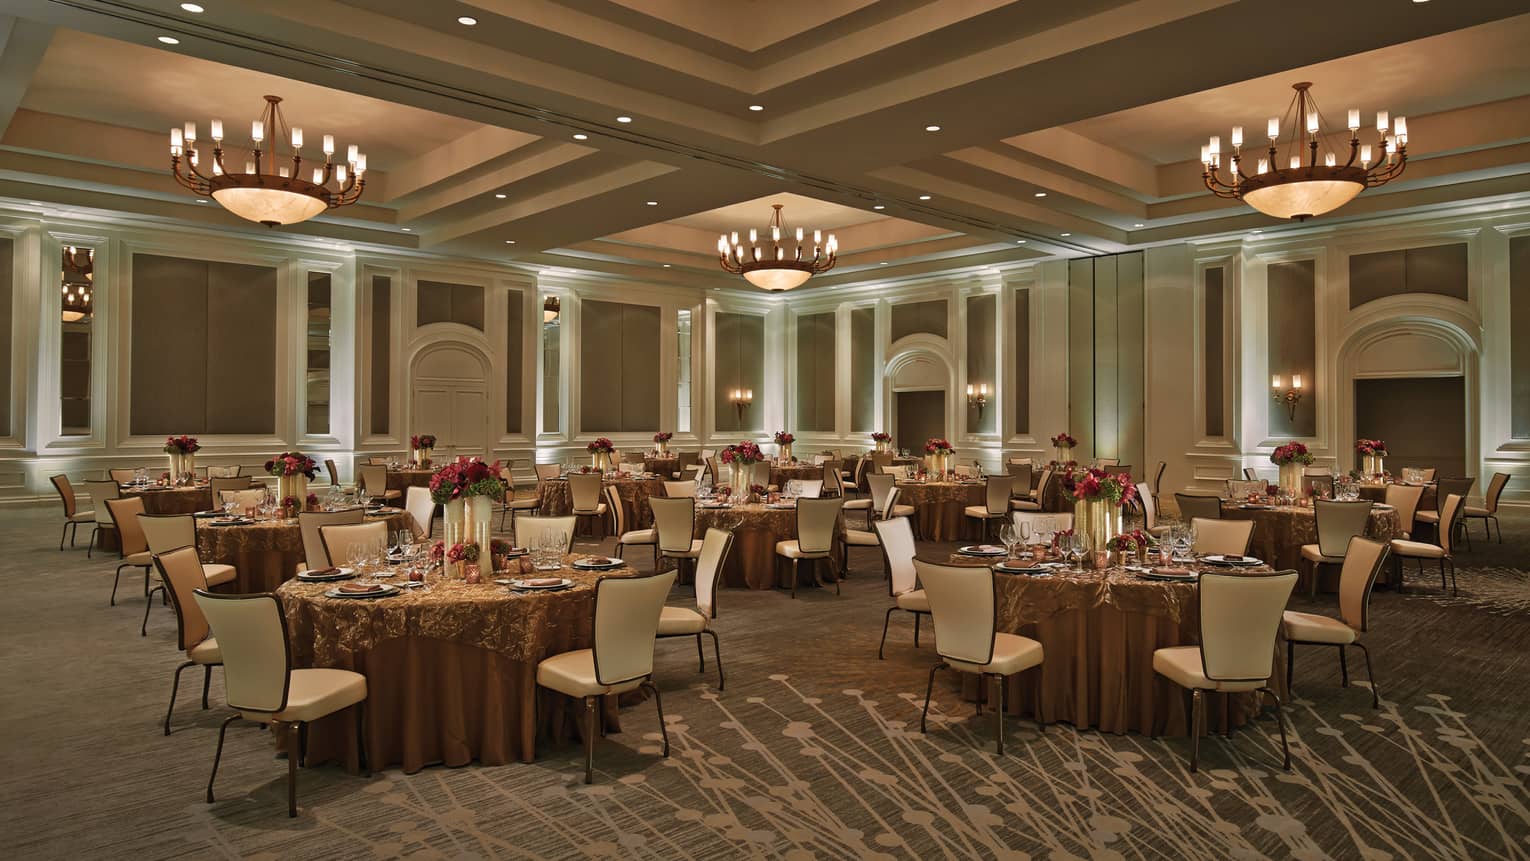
<point x="1108" y="461"/>
<point x="343" y="540"/>
<point x="760" y="474"/>
<point x="1225" y="537"/>
<point x="125" y="511"/>
<point x="121" y="476"/>
<point x="1158" y="476"/>
<point x="1405" y="498"/>
<point x="962" y="608"/>
<point x="1050" y="521"/>
<point x="1428" y="474"/>
<point x="811" y="488"/>
<point x="1243" y="489"/>
<point x="533" y="525"/>
<point x="675" y="521"/>
<point x="964" y="471"/>
<point x="584" y="487"/>
<point x="1240" y="614"/>
<point x="244" y="500"/>
<point x="374" y="479"/>
<point x="832" y="483"/>
<point x="618" y="511"/>
<point x="714" y="467"/>
<point x="626" y="620"/>
<point x="889" y="502"/>
<point x="686" y="459"/>
<point x="332" y="469"/>
<point x="1450" y="513"/>
<point x="1249" y="474"/>
<point x="100" y="491"/>
<point x="1192" y="505"/>
<point x="1461" y="487"/>
<point x="627" y="467"/>
<point x="252" y="636"/>
<point x="165" y="532"/>
<point x="1337" y="522"/>
<point x="679" y="489"/>
<point x="422" y="510"/>
<point x="816" y="519"/>
<point x="1362" y="563"/>
<point x="218" y="485"/>
<point x="235" y="470"/>
<point x="996" y="496"/>
<point x="183" y="575"/>
<point x="1317" y="486"/>
<point x="1316" y="470"/>
<point x="714" y="550"/>
<point x="1149" y="505"/>
<point x="634" y="456"/>
<point x="860" y="469"/>
<point x="314" y="555"/>
<point x="546" y="471"/>
<point x="897" y="539"/>
<point x="1021" y="473"/>
<point x="377" y="460"/>
<point x="880" y="483"/>
<point x="65" y="493"/>
<point x="1495" y="490"/>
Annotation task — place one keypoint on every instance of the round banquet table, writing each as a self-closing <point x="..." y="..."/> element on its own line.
<point x="664" y="467"/>
<point x="938" y="507"/>
<point x="1282" y="530"/>
<point x="268" y="553"/>
<point x="1378" y="493"/>
<point x="780" y="475"/>
<point x="451" y="672"/>
<point x="752" y="562"/>
<point x="557" y="498"/>
<point x="172" y="500"/>
<point x="403" y="479"/>
<point x="1099" y="630"/>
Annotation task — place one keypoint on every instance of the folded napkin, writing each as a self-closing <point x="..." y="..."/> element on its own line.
<point x="988" y="548"/>
<point x="361" y="588"/>
<point x="1019" y="566"/>
<point x="1233" y="557"/>
<point x="322" y="572"/>
<point x="1173" y="572"/>
<point x="542" y="581"/>
<point x="597" y="560"/>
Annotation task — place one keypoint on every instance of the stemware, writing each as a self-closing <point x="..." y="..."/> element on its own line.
<point x="1076" y="550"/>
<point x="1023" y="530"/>
<point x="1008" y="538"/>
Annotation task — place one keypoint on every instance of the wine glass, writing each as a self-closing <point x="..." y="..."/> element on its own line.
<point x="1008" y="538"/>
<point x="1076" y="550"/>
<point x="1023" y="532"/>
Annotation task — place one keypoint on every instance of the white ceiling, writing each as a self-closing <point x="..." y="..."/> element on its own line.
<point x="798" y="211"/>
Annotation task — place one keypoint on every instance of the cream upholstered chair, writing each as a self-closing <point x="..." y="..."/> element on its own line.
<point x="1428" y="474"/>
<point x="1224" y="537"/>
<point x="1363" y="559"/>
<point x="422" y="511"/>
<point x="760" y="474"/>
<point x="244" y="500"/>
<point x="261" y="685"/>
<point x="685" y="622"/>
<point x="73" y="516"/>
<point x="1318" y="485"/>
<point x="897" y="539"/>
<point x="166" y="532"/>
<point x="1158" y="478"/>
<point x="121" y="476"/>
<point x="1405" y="498"/>
<point x="343" y="541"/>
<point x="1032" y="500"/>
<point x="1044" y="521"/>
<point x="1108" y="461"/>
<point x="378" y="460"/>
<point x="996" y="502"/>
<point x="536" y="524"/>
<point x="219" y="485"/>
<point x="1198" y="505"/>
<point x="1020" y="474"/>
<point x="1337" y="522"/>
<point x="1462" y="487"/>
<point x="880" y="461"/>
<point x="518" y="500"/>
<point x="1249" y="474"/>
<point x="714" y="468"/>
<point x="833" y="479"/>
<point x="134" y="547"/>
<point x="962" y="470"/>
<point x="964" y="612"/>
<point x="882" y="485"/>
<point x="315" y="557"/>
<point x="627" y="613"/>
<point x="374" y="482"/>
<point x="816" y="523"/>
<point x="810" y="488"/>
<point x="584" y="488"/>
<point x="685" y="462"/>
<point x="333" y="470"/>
<point x="1149" y="503"/>
<point x="1240" y="615"/>
<point x="1488" y="511"/>
<point x="232" y="471"/>
<point x="624" y="536"/>
<point x="679" y="489"/>
<point x="181" y="572"/>
<point x="546" y="472"/>
<point x="674" y="522"/>
<point x="862" y="537"/>
<point x="100" y="492"/>
<point x="854" y="486"/>
<point x="1402" y="549"/>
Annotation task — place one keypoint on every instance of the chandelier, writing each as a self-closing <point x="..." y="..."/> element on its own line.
<point x="776" y="263"/>
<point x="78" y="283"/>
<point x="270" y="190"/>
<point x="1310" y="179"/>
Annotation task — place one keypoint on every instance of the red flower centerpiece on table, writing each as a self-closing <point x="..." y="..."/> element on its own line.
<point x="881" y="436"/>
<point x="182" y="445"/>
<point x="1371" y="447"/>
<point x="423" y="440"/>
<point x="290" y="463"/>
<point x="1064" y="440"/>
<point x="937" y="444"/>
<point x="746" y="453"/>
<point x="1291" y="452"/>
<point x="467" y="476"/>
<point x="663" y="436"/>
<point x="1135" y="541"/>
<point x="784" y="438"/>
<point x="1092" y="485"/>
<point x="601" y="444"/>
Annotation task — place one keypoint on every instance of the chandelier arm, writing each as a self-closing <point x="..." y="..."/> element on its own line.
<point x="1354" y="150"/>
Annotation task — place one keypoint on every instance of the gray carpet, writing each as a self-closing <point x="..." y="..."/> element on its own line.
<point x="813" y="751"/>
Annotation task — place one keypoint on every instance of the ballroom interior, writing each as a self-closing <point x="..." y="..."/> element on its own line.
<point x="1103" y="428"/>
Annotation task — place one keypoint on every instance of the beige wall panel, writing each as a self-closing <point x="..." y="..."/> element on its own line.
<point x="1022" y="376"/>
<point x="241" y="349"/>
<point x="382" y="353"/>
<point x="515" y="334"/>
<point x="913" y="318"/>
<point x="7" y="296"/>
<point x="863" y="370"/>
<point x="168" y="345"/>
<point x="982" y="358"/>
<point x="1292" y="348"/>
<point x="1214" y="336"/>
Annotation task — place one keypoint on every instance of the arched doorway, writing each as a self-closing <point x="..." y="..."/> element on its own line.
<point x="449" y="398"/>
<point x="918" y="382"/>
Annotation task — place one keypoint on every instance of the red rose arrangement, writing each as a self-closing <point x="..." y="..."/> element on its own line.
<point x="1064" y="440"/>
<point x="881" y="436"/>
<point x="290" y="463"/>
<point x="1135" y="540"/>
<point x="784" y="438"/>
<point x="746" y="453"/>
<point x="663" y="436"/>
<point x="1095" y="484"/>
<point x="1371" y="447"/>
<point x="467" y="476"/>
<point x="312" y="501"/>
<point x="423" y="440"/>
<point x="935" y="444"/>
<point x="757" y="489"/>
<point x="1291" y="452"/>
<point x="601" y="444"/>
<point x="462" y="553"/>
<point x="182" y="445"/>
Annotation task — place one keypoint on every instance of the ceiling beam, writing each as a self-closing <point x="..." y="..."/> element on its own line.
<point x="23" y="43"/>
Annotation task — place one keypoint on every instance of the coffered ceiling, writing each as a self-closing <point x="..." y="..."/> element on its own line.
<point x="1065" y="127"/>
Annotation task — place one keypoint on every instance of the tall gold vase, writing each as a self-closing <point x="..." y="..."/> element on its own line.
<point x="1098" y="520"/>
<point x="1291" y="479"/>
<point x="1373" y="466"/>
<point x="601" y="461"/>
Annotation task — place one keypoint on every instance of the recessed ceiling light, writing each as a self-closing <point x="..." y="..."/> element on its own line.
<point x="624" y="119"/>
<point x="509" y="241"/>
<point x="1019" y="241"/>
<point x="1139" y="224"/>
<point x="169" y="40"/>
<point x="193" y="8"/>
<point x="468" y="21"/>
<point x="407" y="229"/>
<point x="1258" y="230"/>
<point x="879" y="206"/>
<point x="666" y="266"/>
<point x="501" y="196"/>
<point x="581" y="136"/>
<point x="924" y="197"/>
<point x="1041" y="194"/>
<point x="756" y="107"/>
<point x="932" y="128"/>
<point x="1064" y="234"/>
<point x="653" y="203"/>
<point x="204" y="200"/>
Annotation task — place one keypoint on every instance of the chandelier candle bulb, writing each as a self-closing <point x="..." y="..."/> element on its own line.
<point x="351" y="152"/>
<point x="1312" y="122"/>
<point x="1400" y="129"/>
<point x="217" y="130"/>
<point x="1264" y="165"/>
<point x="340" y="173"/>
<point x="329" y="144"/>
<point x="257" y="131"/>
<point x="1237" y="136"/>
<point x="176" y="140"/>
<point x="1381" y="121"/>
<point x="1365" y="155"/>
<point x="1354" y="119"/>
<point x="1216" y="144"/>
<point x="1329" y="160"/>
<point x="1296" y="162"/>
<point x="361" y="165"/>
<point x="1274" y="131"/>
<point x="297" y="138"/>
<point x="191" y="133"/>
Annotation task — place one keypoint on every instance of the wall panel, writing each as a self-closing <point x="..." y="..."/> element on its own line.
<point x="913" y="318"/>
<point x="382" y="353"/>
<point x="1437" y="269"/>
<point x="1292" y="333"/>
<point x="438" y="302"/>
<point x="863" y="370"/>
<point x="1519" y="336"/>
<point x="739" y="364"/>
<point x="618" y="367"/>
<point x="815" y="372"/>
<point x="7" y="296"/>
<point x="1022" y="377"/>
<point x="982" y="358"/>
<point x="515" y="334"/>
<point x="1213" y="333"/>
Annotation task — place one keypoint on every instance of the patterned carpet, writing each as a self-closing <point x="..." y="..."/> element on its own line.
<point x="813" y="751"/>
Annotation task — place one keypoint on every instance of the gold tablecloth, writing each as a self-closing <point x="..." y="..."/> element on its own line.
<point x="938" y="507"/>
<point x="557" y="498"/>
<point x="173" y="500"/>
<point x="780" y="475"/>
<point x="266" y="554"/>
<point x="451" y="672"/>
<point x="403" y="479"/>
<point x="1378" y="493"/>
<point x="752" y="562"/>
<point x="1099" y="630"/>
<point x="1281" y="532"/>
<point x="664" y="467"/>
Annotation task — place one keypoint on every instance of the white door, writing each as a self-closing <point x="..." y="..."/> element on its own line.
<point x="450" y="401"/>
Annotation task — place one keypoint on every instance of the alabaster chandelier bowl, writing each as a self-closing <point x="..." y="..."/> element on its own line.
<point x="776" y="261"/>
<point x="77" y="293"/>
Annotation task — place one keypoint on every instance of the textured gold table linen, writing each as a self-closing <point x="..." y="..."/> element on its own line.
<point x="265" y="554"/>
<point x="557" y="498"/>
<point x="939" y="507"/>
<point x="403" y="479"/>
<point x="1281" y="532"/>
<point x="173" y="500"/>
<point x="753" y="563"/>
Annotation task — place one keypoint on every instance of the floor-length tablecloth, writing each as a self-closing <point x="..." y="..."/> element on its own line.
<point x="172" y="500"/>
<point x="781" y="474"/>
<point x="266" y="554"/>
<point x="403" y="479"/>
<point x="1281" y="532"/>
<point x="664" y="467"/>
<point x="557" y="497"/>
<point x="939" y="507"/>
<point x="752" y="562"/>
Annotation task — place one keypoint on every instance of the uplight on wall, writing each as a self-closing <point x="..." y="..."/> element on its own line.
<point x="1290" y="397"/>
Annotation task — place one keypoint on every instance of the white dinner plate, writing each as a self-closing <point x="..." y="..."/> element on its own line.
<point x="341" y="574"/>
<point x="1239" y="562"/>
<point x="236" y="521"/>
<point x="383" y="590"/>
<point x="587" y="565"/>
<point x="563" y="583"/>
<point x="983" y="550"/>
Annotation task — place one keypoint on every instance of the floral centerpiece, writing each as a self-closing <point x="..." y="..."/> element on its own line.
<point x="293" y="471"/>
<point x="1373" y="454"/>
<point x="661" y="441"/>
<point x="1129" y="546"/>
<point x="600" y="453"/>
<point x="466" y="489"/>
<point x="182" y="451"/>
<point x="939" y="451"/>
<point x="1291" y="457"/>
<point x="784" y="442"/>
<point x="1061" y="445"/>
<point x="740" y="459"/>
<point x="882" y="440"/>
<point x="420" y="446"/>
<point x="1098" y="497"/>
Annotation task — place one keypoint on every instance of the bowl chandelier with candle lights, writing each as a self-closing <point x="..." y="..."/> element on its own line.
<point x="1310" y="178"/>
<point x="270" y="189"/>
<point x="777" y="261"/>
<point x="77" y="300"/>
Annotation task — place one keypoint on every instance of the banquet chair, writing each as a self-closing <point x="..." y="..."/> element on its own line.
<point x="1488" y="511"/>
<point x="1193" y="505"/>
<point x="674" y="522"/>
<point x="1149" y="503"/>
<point x="121" y="476"/>
<point x="1048" y="521"/>
<point x="1363" y="559"/>
<point x="621" y="657"/>
<point x="715" y="470"/>
<point x="965" y="615"/>
<point x="181" y="572"/>
<point x="1427" y="474"/>
<point x="344" y="543"/>
<point x="167" y="532"/>
<point x="896" y="536"/>
<point x="848" y="487"/>
<point x="634" y="456"/>
<point x="516" y="501"/>
<point x="1033" y="500"/>
<point x="230" y="471"/>
<point x="1240" y="615"/>
<point x="1222" y="537"/>
<point x="1336" y="522"/>
<point x="1405" y="498"/>
<point x="962" y="470"/>
<point x="624" y="536"/>
<point x="422" y="511"/>
<point x="315" y="557"/>
<point x="880" y="461"/>
<point x="218" y="485"/>
<point x="546" y="471"/>
<point x="685" y="622"/>
<point x="679" y="489"/>
<point x="536" y="524"/>
<point x="1444" y="487"/>
<point x="261" y="685"/>
<point x="810" y="488"/>
<point x="760" y="474"/>
<point x="1450" y="516"/>
<point x="244" y="500"/>
<point x="1103" y="462"/>
<point x="861" y="537"/>
<point x="585" y="487"/>
<point x="1020" y="474"/>
<point x="996" y="503"/>
<point x="833" y="480"/>
<point x="374" y="482"/>
<point x="1158" y="478"/>
<point x="881" y="487"/>
<point x="684" y="461"/>
<point x="816" y="522"/>
<point x="134" y="549"/>
<point x="332" y="469"/>
<point x="1249" y="474"/>
<point x="73" y="516"/>
<point x="100" y="492"/>
<point x="1317" y="486"/>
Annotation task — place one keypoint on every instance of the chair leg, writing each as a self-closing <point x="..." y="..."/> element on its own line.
<point x="143" y="630"/>
<point x="794" y="577"/>
<point x="206" y="683"/>
<point x="658" y="703"/>
<point x="218" y="755"/>
<point x="1280" y="721"/>
<point x="175" y="687"/>
<point x="1290" y="665"/>
<point x="1453" y="592"/>
<point x="885" y="621"/>
<point x="1370" y="676"/>
<point x="717" y="658"/>
<point x="1197" y="715"/>
<point x="619" y="549"/>
<point x="1343" y="668"/>
<point x="61" y="535"/>
<point x="91" y="547"/>
<point x="701" y="658"/>
<point x="998" y="726"/>
<point x="929" y="691"/>
<point x="293" y="755"/>
<point x="589" y="739"/>
<point x="118" y="577"/>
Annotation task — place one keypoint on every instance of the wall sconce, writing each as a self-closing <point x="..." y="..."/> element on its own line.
<point x="1290" y="397"/>
<point x="741" y="398"/>
<point x="977" y="396"/>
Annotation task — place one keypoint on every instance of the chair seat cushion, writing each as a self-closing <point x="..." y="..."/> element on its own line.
<point x="1314" y="553"/>
<point x="392" y="494"/>
<point x="591" y="512"/>
<point x="1476" y="511"/>
<point x="312" y="694"/>
<point x="1012" y="653"/>
<point x="1427" y="517"/>
<point x="980" y="511"/>
<point x="144" y="558"/>
<point x="692" y="553"/>
<point x="1182" y="666"/>
<point x="1024" y="505"/>
<point x="681" y="620"/>
<point x="1158" y="531"/>
<point x="857" y="505"/>
<point x="793" y="550"/>
<point x="206" y="652"/>
<point x="1417" y="549"/>
<point x="573" y="673"/>
<point x="83" y="516"/>
<point x="914" y="601"/>
<point x="1312" y="628"/>
<point x="902" y="511"/>
<point x="861" y="538"/>
<point x="524" y="504"/>
<point x="639" y="536"/>
<point x="217" y="573"/>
